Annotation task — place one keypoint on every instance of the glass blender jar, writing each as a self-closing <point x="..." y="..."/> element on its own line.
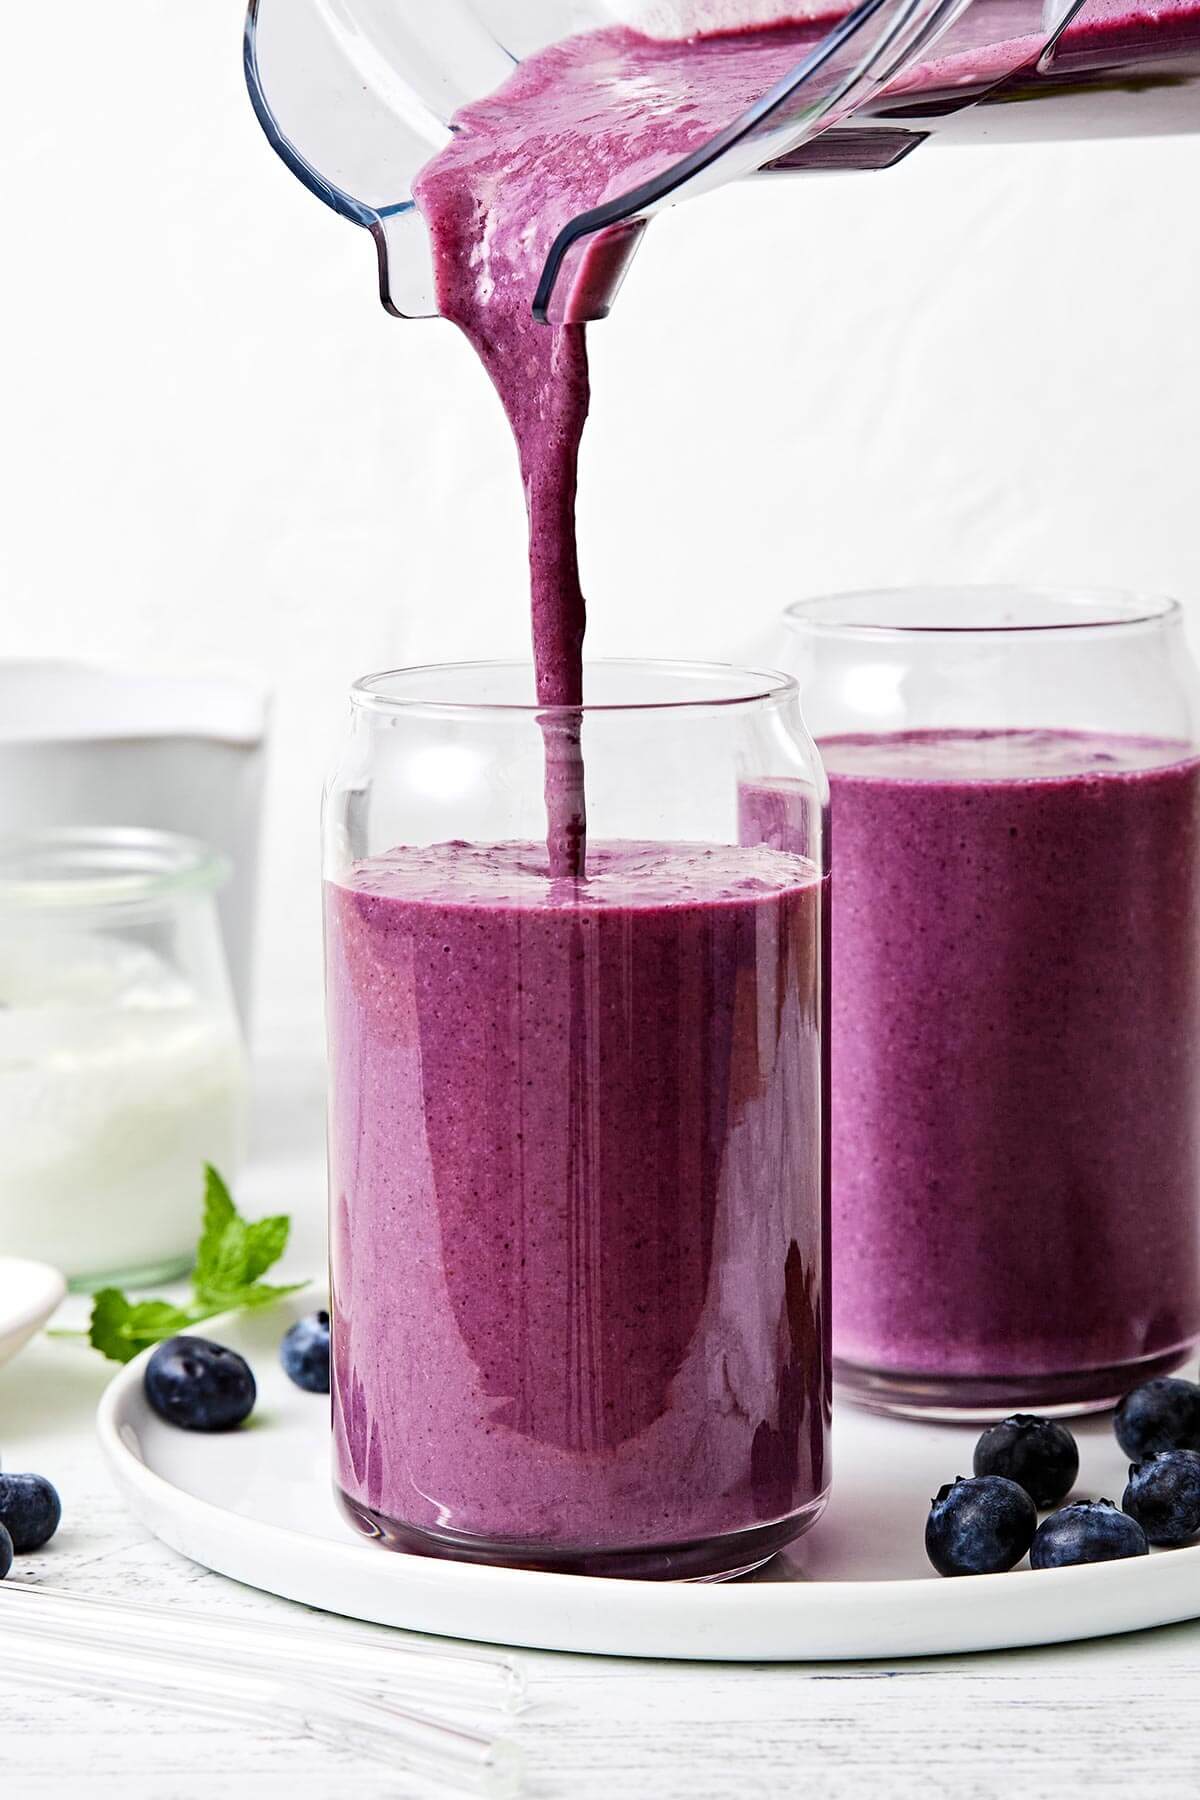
<point x="357" y="96"/>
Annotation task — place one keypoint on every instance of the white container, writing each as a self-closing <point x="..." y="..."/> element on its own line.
<point x="81" y="745"/>
<point x="122" y="1070"/>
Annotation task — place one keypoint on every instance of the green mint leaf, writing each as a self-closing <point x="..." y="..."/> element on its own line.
<point x="266" y="1241"/>
<point x="218" y="1206"/>
<point x="110" y="1312"/>
<point x="226" y="1269"/>
<point x="121" y="1330"/>
<point x="233" y="1252"/>
<point x="219" y="1213"/>
<point x="262" y="1294"/>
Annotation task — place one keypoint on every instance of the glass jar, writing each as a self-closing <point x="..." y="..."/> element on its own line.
<point x="1016" y="992"/>
<point x="577" y="1134"/>
<point x="121" y="1066"/>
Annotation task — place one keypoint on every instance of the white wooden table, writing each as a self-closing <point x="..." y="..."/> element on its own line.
<point x="1118" y="1717"/>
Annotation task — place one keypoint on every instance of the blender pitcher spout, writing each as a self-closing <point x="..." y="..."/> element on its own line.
<point x="358" y="96"/>
<point x="327" y="82"/>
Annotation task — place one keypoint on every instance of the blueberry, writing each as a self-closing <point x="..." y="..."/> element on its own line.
<point x="1164" y="1496"/>
<point x="1038" y="1454"/>
<point x="29" y="1510"/>
<point x="6" y="1553"/>
<point x="199" y="1385"/>
<point x="304" y="1353"/>
<point x="1089" y="1531"/>
<point x="979" y="1526"/>
<point x="1163" y="1414"/>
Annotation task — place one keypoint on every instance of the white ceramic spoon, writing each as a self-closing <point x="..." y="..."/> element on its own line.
<point x="29" y="1293"/>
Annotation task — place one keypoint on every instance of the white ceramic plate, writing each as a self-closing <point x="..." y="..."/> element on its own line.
<point x="256" y="1504"/>
<point x="29" y="1293"/>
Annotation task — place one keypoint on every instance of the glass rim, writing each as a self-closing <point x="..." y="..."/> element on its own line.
<point x="759" y="686"/>
<point x="1096" y="609"/>
<point x="101" y="868"/>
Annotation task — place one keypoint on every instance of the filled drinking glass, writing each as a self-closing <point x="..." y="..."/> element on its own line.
<point x="578" y="1125"/>
<point x="1015" y="791"/>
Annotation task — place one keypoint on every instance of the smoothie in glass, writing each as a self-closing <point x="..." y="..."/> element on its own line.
<point x="1016" y="1061"/>
<point x="577" y="1206"/>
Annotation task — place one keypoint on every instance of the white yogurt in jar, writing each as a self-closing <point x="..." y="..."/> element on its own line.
<point x="118" y="1082"/>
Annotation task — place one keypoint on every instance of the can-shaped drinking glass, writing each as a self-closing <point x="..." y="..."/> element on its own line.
<point x="1015" y="795"/>
<point x="578" y="1123"/>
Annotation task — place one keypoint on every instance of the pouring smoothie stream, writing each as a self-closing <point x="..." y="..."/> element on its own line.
<point x="572" y="126"/>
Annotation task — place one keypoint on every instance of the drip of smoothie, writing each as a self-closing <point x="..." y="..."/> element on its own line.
<point x="579" y="1126"/>
<point x="1016" y="1056"/>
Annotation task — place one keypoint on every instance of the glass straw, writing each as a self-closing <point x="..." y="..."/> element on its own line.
<point x="51" y="1655"/>
<point x="372" y="1658"/>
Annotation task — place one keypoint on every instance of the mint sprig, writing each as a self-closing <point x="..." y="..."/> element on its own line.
<point x="232" y="1253"/>
<point x="231" y="1257"/>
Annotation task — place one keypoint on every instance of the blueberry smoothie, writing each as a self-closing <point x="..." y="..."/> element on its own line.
<point x="577" y="1210"/>
<point x="1016" y="1063"/>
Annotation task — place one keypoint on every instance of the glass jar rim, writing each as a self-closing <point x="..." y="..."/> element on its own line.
<point x="871" y="611"/>
<point x="103" y="868"/>
<point x="755" y="687"/>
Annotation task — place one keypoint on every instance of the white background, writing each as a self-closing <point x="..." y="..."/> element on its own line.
<point x="218" y="453"/>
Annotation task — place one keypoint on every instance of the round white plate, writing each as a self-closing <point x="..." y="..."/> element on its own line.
<point x="256" y="1504"/>
<point x="29" y="1293"/>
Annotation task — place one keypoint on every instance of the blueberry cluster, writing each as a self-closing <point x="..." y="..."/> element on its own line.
<point x="29" y="1514"/>
<point x="201" y="1386"/>
<point x="191" y="1383"/>
<point x="985" y="1523"/>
